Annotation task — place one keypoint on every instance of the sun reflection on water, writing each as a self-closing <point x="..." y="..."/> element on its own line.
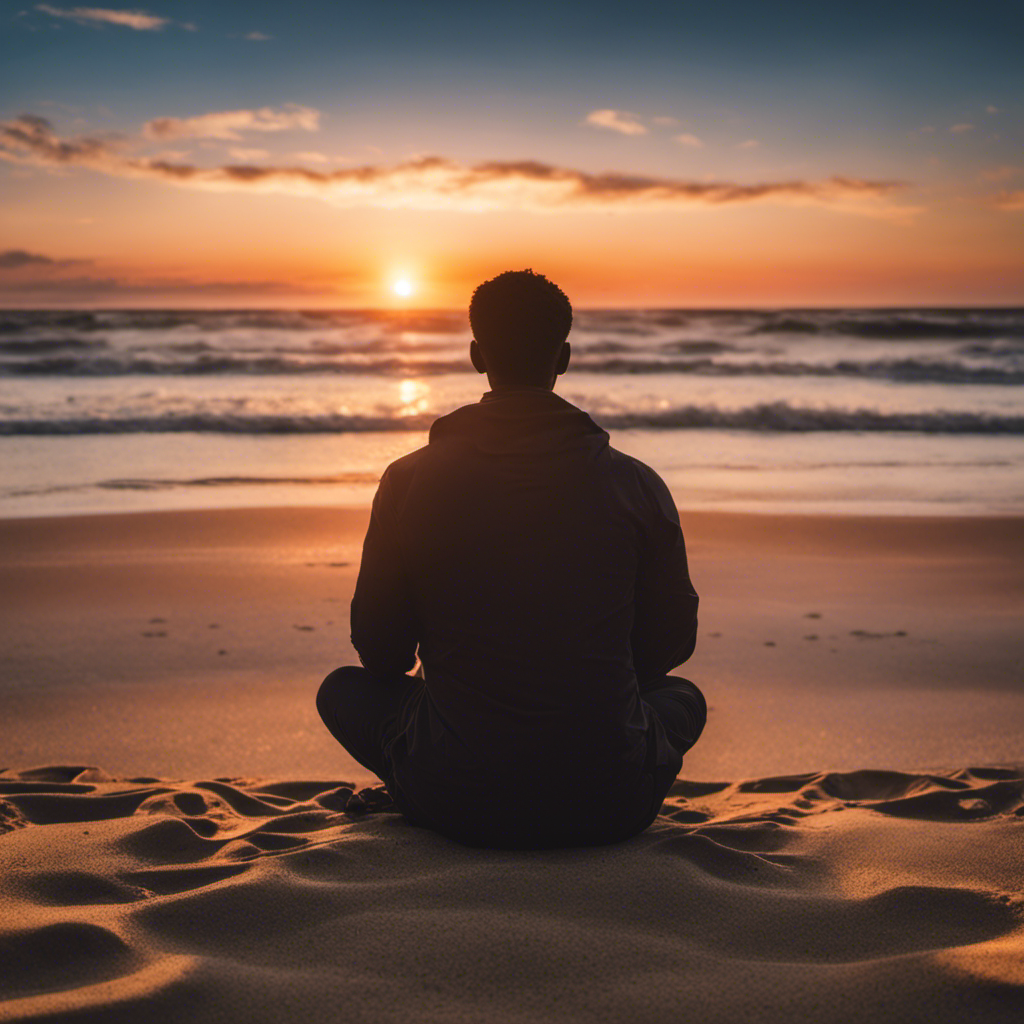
<point x="412" y="397"/>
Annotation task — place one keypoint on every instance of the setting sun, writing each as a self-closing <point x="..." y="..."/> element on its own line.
<point x="403" y="287"/>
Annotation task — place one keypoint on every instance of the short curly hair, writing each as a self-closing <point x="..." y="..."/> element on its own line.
<point x="520" y="321"/>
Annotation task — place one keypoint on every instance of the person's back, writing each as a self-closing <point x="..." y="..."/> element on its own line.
<point x="542" y="576"/>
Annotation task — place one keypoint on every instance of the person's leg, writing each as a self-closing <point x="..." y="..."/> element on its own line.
<point x="680" y="706"/>
<point x="360" y="711"/>
<point x="680" y="709"/>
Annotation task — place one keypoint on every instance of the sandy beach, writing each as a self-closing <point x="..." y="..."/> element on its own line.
<point x="845" y="843"/>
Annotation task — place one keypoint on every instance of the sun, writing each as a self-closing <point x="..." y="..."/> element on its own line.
<point x="403" y="287"/>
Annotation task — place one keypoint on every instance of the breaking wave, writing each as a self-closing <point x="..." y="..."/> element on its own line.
<point x="937" y="325"/>
<point x="170" y="483"/>
<point x="767" y="417"/>
<point x="196" y="360"/>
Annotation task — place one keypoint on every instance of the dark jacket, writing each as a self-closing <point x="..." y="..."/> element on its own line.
<point x="541" y="574"/>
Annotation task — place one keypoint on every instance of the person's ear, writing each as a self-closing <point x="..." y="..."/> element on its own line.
<point x="563" y="358"/>
<point x="477" y="357"/>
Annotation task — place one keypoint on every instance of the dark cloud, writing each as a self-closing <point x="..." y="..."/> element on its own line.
<point x="434" y="182"/>
<point x="15" y="259"/>
<point x="86" y="286"/>
<point x="33" y="136"/>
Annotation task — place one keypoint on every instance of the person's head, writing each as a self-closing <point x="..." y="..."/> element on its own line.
<point x="520" y="321"/>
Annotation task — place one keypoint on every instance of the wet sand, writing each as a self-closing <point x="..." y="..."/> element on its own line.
<point x="192" y="643"/>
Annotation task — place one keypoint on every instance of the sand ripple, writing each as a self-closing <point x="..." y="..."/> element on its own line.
<point x="833" y="897"/>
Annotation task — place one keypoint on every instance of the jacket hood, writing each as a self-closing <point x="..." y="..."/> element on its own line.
<point x="521" y="421"/>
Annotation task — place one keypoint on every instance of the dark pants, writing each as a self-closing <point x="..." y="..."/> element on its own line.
<point x="361" y="713"/>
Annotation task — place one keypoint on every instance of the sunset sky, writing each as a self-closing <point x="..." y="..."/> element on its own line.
<point x="188" y="153"/>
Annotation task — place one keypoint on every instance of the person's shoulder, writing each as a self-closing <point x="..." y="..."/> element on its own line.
<point x="630" y="466"/>
<point x="644" y="481"/>
<point x="408" y="462"/>
<point x="396" y="478"/>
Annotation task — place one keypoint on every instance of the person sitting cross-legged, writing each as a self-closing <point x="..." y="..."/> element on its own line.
<point x="541" y="578"/>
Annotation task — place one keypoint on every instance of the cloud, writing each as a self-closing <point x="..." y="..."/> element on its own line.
<point x="309" y="156"/>
<point x="991" y="109"/>
<point x="85" y="286"/>
<point x="228" y="124"/>
<point x="1010" y="200"/>
<point x="689" y="140"/>
<point x="33" y="136"/>
<point x="436" y="183"/>
<point x="15" y="259"/>
<point x="257" y="37"/>
<point x="1004" y="172"/>
<point x="959" y="129"/>
<point x="138" y="20"/>
<point x="237" y="153"/>
<point x="617" y="121"/>
<point x="665" y="121"/>
<point x="748" y="144"/>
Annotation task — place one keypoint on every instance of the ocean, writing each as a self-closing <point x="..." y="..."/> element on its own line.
<point x="883" y="411"/>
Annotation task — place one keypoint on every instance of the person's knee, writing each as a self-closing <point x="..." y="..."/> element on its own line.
<point x="697" y="697"/>
<point x="682" y="709"/>
<point x="332" y="689"/>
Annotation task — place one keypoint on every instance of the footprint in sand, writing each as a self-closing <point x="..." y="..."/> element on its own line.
<point x="190" y="803"/>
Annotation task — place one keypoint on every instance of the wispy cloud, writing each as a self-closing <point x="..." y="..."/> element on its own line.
<point x="257" y="37"/>
<point x="959" y="129"/>
<point x="436" y="183"/>
<point x="748" y="144"/>
<point x="1010" y="200"/>
<point x="86" y="286"/>
<point x="141" y="21"/>
<point x="617" y="121"/>
<point x="991" y="109"/>
<point x="16" y="259"/>
<point x="238" y="153"/>
<point x="686" y="139"/>
<point x="230" y="124"/>
<point x="1004" y="172"/>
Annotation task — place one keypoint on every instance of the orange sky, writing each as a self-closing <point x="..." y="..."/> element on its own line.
<point x="258" y="180"/>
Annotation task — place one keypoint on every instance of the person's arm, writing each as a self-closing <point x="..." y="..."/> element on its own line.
<point x="665" y="603"/>
<point x="382" y="618"/>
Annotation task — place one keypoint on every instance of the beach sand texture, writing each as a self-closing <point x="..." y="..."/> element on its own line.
<point x="867" y="896"/>
<point x="862" y="873"/>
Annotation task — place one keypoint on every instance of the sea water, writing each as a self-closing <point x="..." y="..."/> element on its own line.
<point x="895" y="411"/>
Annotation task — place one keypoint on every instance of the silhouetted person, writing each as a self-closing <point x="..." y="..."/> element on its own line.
<point x="541" y="575"/>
